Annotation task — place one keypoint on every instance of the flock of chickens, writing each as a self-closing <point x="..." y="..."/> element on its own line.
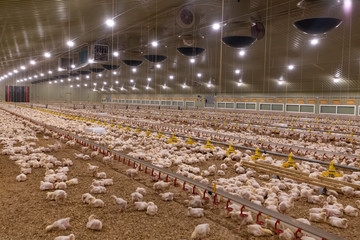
<point x="189" y="160"/>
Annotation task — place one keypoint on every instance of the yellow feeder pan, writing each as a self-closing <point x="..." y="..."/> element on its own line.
<point x="230" y="150"/>
<point x="329" y="132"/>
<point x="257" y="155"/>
<point x="309" y="130"/>
<point x="190" y="141"/>
<point x="128" y="128"/>
<point x="332" y="172"/>
<point x="98" y="122"/>
<point x="173" y="139"/>
<point x="291" y="129"/>
<point x="119" y="126"/>
<point x="137" y="130"/>
<point x="148" y="133"/>
<point x="112" y="125"/>
<point x="160" y="135"/>
<point x="290" y="162"/>
<point x="208" y="145"/>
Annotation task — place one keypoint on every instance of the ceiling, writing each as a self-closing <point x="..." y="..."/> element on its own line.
<point x="30" y="28"/>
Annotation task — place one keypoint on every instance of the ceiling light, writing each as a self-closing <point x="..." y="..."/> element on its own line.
<point x="147" y="87"/>
<point x="10" y="73"/>
<point x="23" y="67"/>
<point x="110" y="22"/>
<point x="77" y="78"/>
<point x="237" y="71"/>
<point x="239" y="83"/>
<point x="116" y="82"/>
<point x="116" y="54"/>
<point x="134" y="70"/>
<point x="336" y="79"/>
<point x="78" y="85"/>
<point x="71" y="86"/>
<point x="94" y="89"/>
<point x="50" y="72"/>
<point x="50" y="82"/>
<point x="114" y="72"/>
<point x="291" y="67"/>
<point x="131" y="80"/>
<point x="164" y="86"/>
<point x="242" y="52"/>
<point x="94" y="83"/>
<point x="192" y="60"/>
<point x="69" y="79"/>
<point x="111" y="89"/>
<point x="209" y="85"/>
<point x="100" y="75"/>
<point x="347" y="5"/>
<point x="102" y="89"/>
<point x="314" y="41"/>
<point x="47" y="54"/>
<point x="15" y="71"/>
<point x="149" y="79"/>
<point x="122" y="88"/>
<point x="280" y="82"/>
<point x="61" y="80"/>
<point x="105" y="83"/>
<point x="154" y="43"/>
<point x="32" y="62"/>
<point x="91" y="60"/>
<point x="184" y="85"/>
<point x="55" y="81"/>
<point x="133" y="88"/>
<point x="35" y="76"/>
<point x="70" y="43"/>
<point x="41" y="74"/>
<point x="199" y="75"/>
<point x="87" y="76"/>
<point x="30" y="78"/>
<point x="72" y="65"/>
<point x="216" y="26"/>
<point x="60" y="69"/>
<point x="171" y="77"/>
<point x="158" y="65"/>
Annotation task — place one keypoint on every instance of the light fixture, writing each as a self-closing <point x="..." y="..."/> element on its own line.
<point x="209" y="85"/>
<point x="133" y="88"/>
<point x="149" y="79"/>
<point x="87" y="76"/>
<point x="111" y="89"/>
<point x="237" y="71"/>
<point x="216" y="26"/>
<point x="70" y="43"/>
<point x="91" y="60"/>
<point x="77" y="78"/>
<point x="134" y="70"/>
<point x="10" y="73"/>
<point x="122" y="88"/>
<point x="100" y="75"/>
<point x="116" y="54"/>
<point x="184" y="85"/>
<point x="69" y="79"/>
<point x="72" y="65"/>
<point x="114" y="72"/>
<point x="55" y="81"/>
<point x="281" y="82"/>
<point x="336" y="79"/>
<point x="94" y="83"/>
<point x="147" y="87"/>
<point x="154" y="43"/>
<point x="61" y="80"/>
<point x="41" y="74"/>
<point x="35" y="76"/>
<point x="94" y="89"/>
<point x="239" y="83"/>
<point x="314" y="41"/>
<point x="347" y="5"/>
<point x="110" y="22"/>
<point x="71" y="86"/>
<point x="23" y="67"/>
<point x="158" y="65"/>
<point x="15" y="71"/>
<point x="78" y="85"/>
<point x="164" y="86"/>
<point x="102" y="89"/>
<point x="116" y="82"/>
<point x="32" y="62"/>
<point x="50" y="72"/>
<point x="291" y="67"/>
<point x="192" y="60"/>
<point x="171" y="77"/>
<point x="131" y="80"/>
<point x="242" y="53"/>
<point x="199" y="75"/>
<point x="105" y="83"/>
<point x="60" y="69"/>
<point x="47" y="54"/>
